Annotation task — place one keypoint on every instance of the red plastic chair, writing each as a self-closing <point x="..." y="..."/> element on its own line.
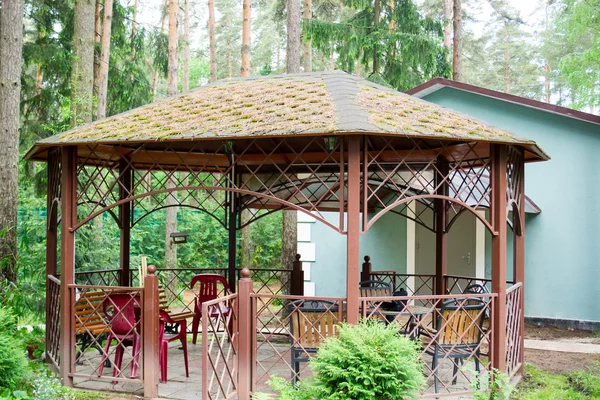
<point x="164" y="339"/>
<point x="124" y="328"/>
<point x="209" y="290"/>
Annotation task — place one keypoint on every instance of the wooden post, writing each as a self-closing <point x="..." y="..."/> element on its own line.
<point x="232" y="238"/>
<point x="498" y="210"/>
<point x="297" y="278"/>
<point x="245" y="325"/>
<point x="353" y="233"/>
<point x="125" y="182"/>
<point x="441" y="237"/>
<point x="519" y="260"/>
<point x="365" y="274"/>
<point x="67" y="259"/>
<point x="150" y="332"/>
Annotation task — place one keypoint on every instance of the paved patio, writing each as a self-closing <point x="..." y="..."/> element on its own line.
<point x="273" y="359"/>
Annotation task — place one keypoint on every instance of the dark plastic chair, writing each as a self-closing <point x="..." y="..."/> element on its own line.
<point x="476" y="289"/>
<point x="122" y="317"/>
<point x="208" y="290"/>
<point x="311" y="322"/>
<point x="373" y="288"/>
<point x="457" y="335"/>
<point x="165" y="338"/>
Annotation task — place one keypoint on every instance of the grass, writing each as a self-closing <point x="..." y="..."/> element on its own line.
<point x="578" y="385"/>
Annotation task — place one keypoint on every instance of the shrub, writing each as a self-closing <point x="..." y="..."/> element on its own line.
<point x="13" y="363"/>
<point x="493" y="386"/>
<point x="369" y="360"/>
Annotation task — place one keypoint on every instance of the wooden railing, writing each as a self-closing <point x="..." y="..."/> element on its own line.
<point x="53" y="321"/>
<point x="514" y="329"/>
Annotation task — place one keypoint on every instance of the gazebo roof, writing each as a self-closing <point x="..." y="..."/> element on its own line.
<point x="322" y="103"/>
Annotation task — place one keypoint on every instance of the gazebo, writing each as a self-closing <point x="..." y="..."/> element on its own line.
<point x="312" y="142"/>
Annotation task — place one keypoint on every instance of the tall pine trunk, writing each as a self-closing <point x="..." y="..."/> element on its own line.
<point x="172" y="201"/>
<point x="212" y="40"/>
<point x="186" y="46"/>
<point x="162" y="30"/>
<point x="11" y="39"/>
<point x="307" y="45"/>
<point x="104" y="60"/>
<point x="82" y="71"/>
<point x="246" y="32"/>
<point x="293" y="37"/>
<point x="457" y="48"/>
<point x="447" y="6"/>
<point x="97" y="43"/>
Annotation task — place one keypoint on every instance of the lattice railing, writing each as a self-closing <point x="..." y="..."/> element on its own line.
<point x="454" y="334"/>
<point x="458" y="284"/>
<point x="220" y="338"/>
<point x="290" y="328"/>
<point x="107" y="334"/>
<point x="106" y="277"/>
<point x="414" y="284"/>
<point x="53" y="320"/>
<point x="514" y="329"/>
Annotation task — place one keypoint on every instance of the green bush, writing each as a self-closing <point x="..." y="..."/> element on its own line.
<point x="494" y="385"/>
<point x="369" y="360"/>
<point x="13" y="363"/>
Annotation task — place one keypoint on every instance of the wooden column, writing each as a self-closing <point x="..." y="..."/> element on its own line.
<point x="441" y="236"/>
<point x="519" y="259"/>
<point x="365" y="273"/>
<point x="353" y="233"/>
<point x="245" y="323"/>
<point x="498" y="210"/>
<point x="297" y="278"/>
<point x="150" y="332"/>
<point x="67" y="259"/>
<point x="125" y="185"/>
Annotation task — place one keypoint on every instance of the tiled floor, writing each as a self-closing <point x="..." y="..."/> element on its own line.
<point x="272" y="359"/>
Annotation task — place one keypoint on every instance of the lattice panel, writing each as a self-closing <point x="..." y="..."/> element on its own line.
<point x="107" y="277"/>
<point x="307" y="176"/>
<point x="53" y="320"/>
<point x="514" y="338"/>
<point x="396" y="172"/>
<point x="289" y="333"/>
<point x="220" y="334"/>
<point x="514" y="175"/>
<point x="453" y="332"/>
<point x="54" y="179"/>
<point x="414" y="284"/>
<point x="458" y="284"/>
<point x="106" y="333"/>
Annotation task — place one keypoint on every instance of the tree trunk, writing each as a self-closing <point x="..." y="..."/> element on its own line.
<point x="212" y="40"/>
<point x="229" y="50"/>
<point x="289" y="246"/>
<point x="162" y="30"/>
<point x="293" y="37"/>
<point x="246" y="31"/>
<point x="246" y="241"/>
<point x="376" y="15"/>
<point x="447" y="4"/>
<point x="82" y="71"/>
<point x="186" y="46"/>
<point x="457" y="49"/>
<point x="97" y="44"/>
<point x="11" y="39"/>
<point x="307" y="56"/>
<point x="134" y="21"/>
<point x="172" y="63"/>
<point x="104" y="60"/>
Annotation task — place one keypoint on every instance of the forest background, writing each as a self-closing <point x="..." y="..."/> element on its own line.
<point x="141" y="51"/>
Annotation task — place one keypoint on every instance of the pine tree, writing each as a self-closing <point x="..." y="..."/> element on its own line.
<point x="104" y="60"/>
<point x="11" y="37"/>
<point x="82" y="72"/>
<point x="246" y="34"/>
<point x="402" y="58"/>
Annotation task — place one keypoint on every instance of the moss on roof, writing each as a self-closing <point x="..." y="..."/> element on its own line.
<point x="286" y="105"/>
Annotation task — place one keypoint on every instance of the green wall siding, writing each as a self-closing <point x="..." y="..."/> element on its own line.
<point x="385" y="242"/>
<point x="562" y="261"/>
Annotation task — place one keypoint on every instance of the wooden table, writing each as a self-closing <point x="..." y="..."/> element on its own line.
<point x="415" y="315"/>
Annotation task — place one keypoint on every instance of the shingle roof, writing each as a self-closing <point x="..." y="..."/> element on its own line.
<point x="286" y="105"/>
